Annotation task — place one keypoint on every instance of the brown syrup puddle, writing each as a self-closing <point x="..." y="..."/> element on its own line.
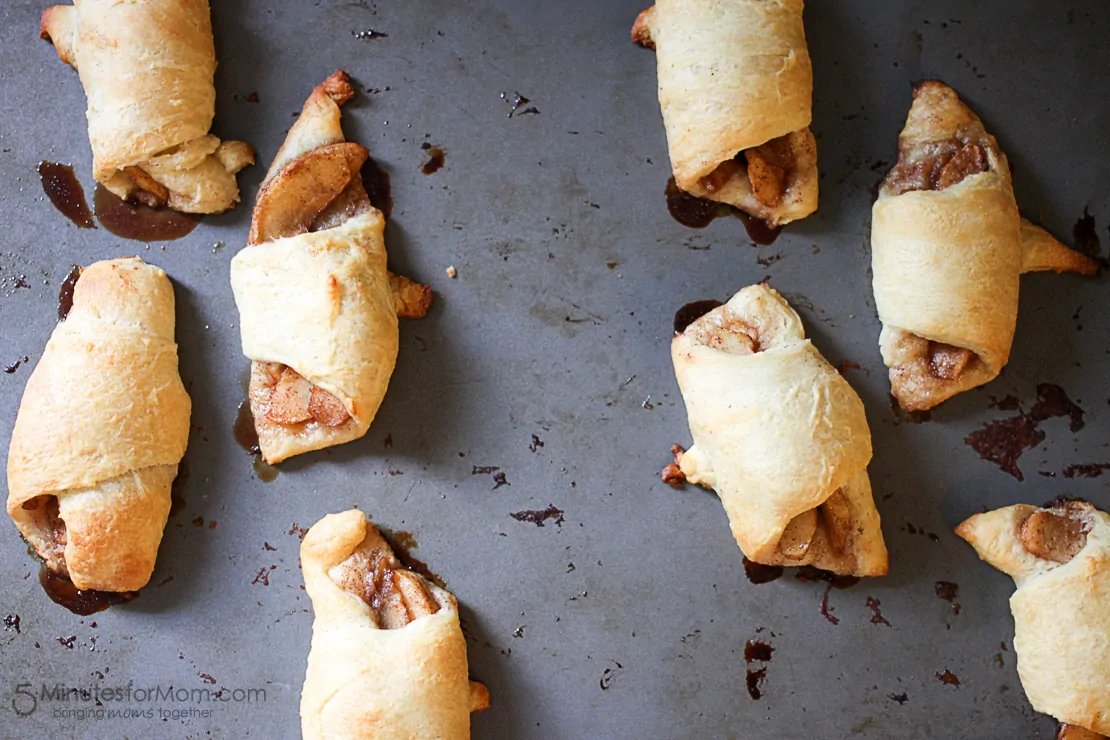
<point x="436" y="159"/>
<point x="375" y="181"/>
<point x="62" y="591"/>
<point x="1085" y="238"/>
<point x="759" y="574"/>
<point x="1002" y="442"/>
<point x="690" y="210"/>
<point x="697" y="213"/>
<point x="247" y="438"/>
<point x="65" y="294"/>
<point x="691" y="312"/>
<point x="138" y="222"/>
<point x="65" y="192"/>
<point x="756" y="652"/>
<point x="948" y="591"/>
<point x="755" y="682"/>
<point x="266" y="472"/>
<point x="403" y="543"/>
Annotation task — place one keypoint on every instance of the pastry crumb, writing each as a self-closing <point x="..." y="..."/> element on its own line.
<point x="452" y="272"/>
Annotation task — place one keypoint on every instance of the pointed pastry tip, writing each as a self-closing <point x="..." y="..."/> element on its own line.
<point x="338" y="87"/>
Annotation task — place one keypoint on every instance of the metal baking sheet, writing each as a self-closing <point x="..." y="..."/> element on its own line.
<point x="548" y="358"/>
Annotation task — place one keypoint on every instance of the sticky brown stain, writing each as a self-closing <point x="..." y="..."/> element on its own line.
<point x="697" y="213"/>
<point x="81" y="602"/>
<point x="65" y="192"/>
<point x="810" y="574"/>
<point x="65" y="293"/>
<point x="378" y="188"/>
<point x="948" y="591"/>
<point x="539" y="516"/>
<point x="948" y="678"/>
<point x="759" y="574"/>
<point x="1093" y="470"/>
<point x="140" y="222"/>
<point x="1085" y="239"/>
<point x="437" y="157"/>
<point x="876" y="614"/>
<point x="1002" y="442"/>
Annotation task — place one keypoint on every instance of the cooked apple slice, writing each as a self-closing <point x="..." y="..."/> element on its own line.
<point x="798" y="535"/>
<point x="289" y="203"/>
<point x="353" y="201"/>
<point x="1051" y="536"/>
<point x="326" y="408"/>
<point x="396" y="596"/>
<point x="290" y="399"/>
<point x="837" y="518"/>
<point x="417" y="600"/>
<point x="149" y="191"/>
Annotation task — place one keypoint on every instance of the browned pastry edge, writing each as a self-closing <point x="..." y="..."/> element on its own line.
<point x="641" y="29"/>
<point x="672" y="474"/>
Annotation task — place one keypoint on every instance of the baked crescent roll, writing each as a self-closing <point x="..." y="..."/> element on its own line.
<point x="318" y="309"/>
<point x="388" y="656"/>
<point x="1059" y="557"/>
<point x="147" y="67"/>
<point x="779" y="435"/>
<point x="948" y="246"/>
<point x="103" y="423"/>
<point x="736" y="90"/>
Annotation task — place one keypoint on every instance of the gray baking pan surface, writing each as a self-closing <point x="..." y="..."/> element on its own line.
<point x="542" y="378"/>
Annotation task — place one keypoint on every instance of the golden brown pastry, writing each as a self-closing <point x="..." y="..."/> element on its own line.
<point x="318" y="308"/>
<point x="103" y="423"/>
<point x="1075" y="732"/>
<point x="388" y="656"/>
<point x="736" y="90"/>
<point x="1059" y="557"/>
<point x="948" y="246"/>
<point x="779" y="435"/>
<point x="147" y="67"/>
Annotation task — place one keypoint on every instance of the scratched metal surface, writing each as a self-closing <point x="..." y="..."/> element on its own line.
<point x="630" y="618"/>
